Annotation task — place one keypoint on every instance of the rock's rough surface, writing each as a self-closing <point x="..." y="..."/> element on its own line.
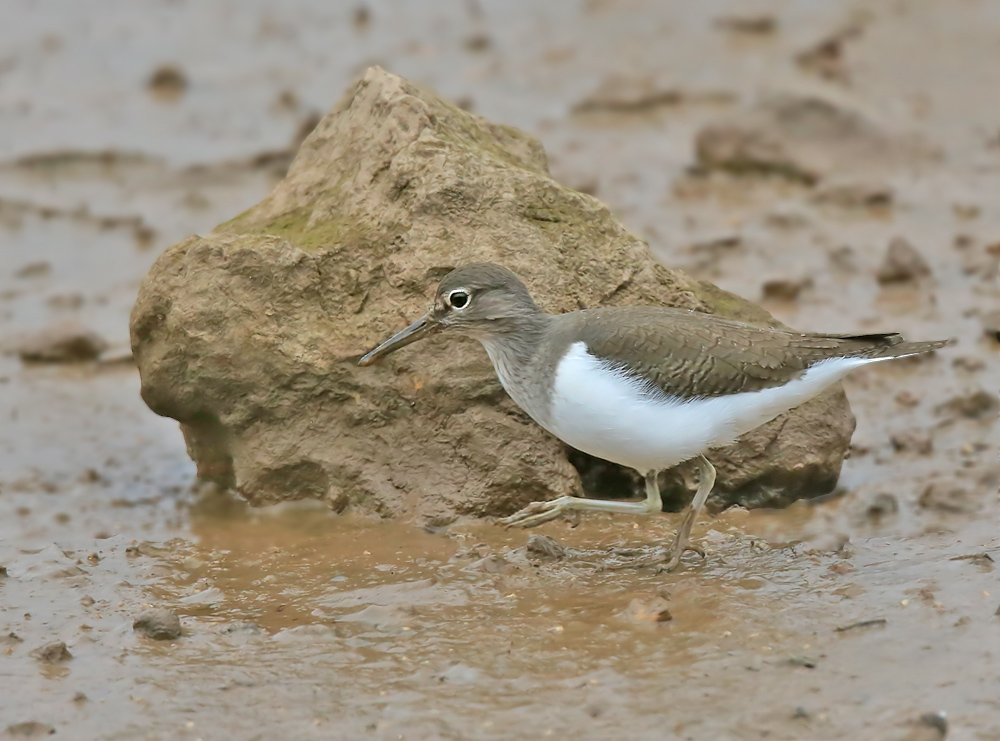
<point x="250" y="335"/>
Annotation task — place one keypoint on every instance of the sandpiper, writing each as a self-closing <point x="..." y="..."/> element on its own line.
<point x="644" y="387"/>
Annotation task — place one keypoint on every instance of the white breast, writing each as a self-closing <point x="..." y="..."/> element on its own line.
<point x="600" y="410"/>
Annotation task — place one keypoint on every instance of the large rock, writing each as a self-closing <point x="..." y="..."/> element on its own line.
<point x="250" y="335"/>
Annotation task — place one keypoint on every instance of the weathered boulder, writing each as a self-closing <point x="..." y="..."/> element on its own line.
<point x="250" y="336"/>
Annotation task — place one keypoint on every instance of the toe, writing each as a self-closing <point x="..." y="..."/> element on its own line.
<point x="527" y="513"/>
<point x="521" y="521"/>
<point x="677" y="551"/>
<point x="531" y="519"/>
<point x="536" y="519"/>
<point x="535" y="514"/>
<point x="672" y="564"/>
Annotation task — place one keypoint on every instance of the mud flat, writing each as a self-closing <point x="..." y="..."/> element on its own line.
<point x="850" y="617"/>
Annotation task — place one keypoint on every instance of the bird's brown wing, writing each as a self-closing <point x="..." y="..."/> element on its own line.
<point x="689" y="354"/>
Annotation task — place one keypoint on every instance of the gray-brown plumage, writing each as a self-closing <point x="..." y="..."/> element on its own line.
<point x="645" y="387"/>
<point x="689" y="354"/>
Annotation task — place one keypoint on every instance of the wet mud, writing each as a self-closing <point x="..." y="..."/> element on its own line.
<point x="850" y="617"/>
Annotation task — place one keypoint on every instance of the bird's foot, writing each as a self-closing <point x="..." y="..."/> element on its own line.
<point x="538" y="512"/>
<point x="661" y="560"/>
<point x="680" y="547"/>
<point x="633" y="561"/>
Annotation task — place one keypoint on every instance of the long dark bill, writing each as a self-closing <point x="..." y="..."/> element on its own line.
<point x="424" y="326"/>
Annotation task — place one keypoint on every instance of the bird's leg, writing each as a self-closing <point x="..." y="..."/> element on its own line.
<point x="682" y="540"/>
<point x="538" y="512"/>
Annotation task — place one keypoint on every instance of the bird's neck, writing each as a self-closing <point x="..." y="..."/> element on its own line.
<point x="515" y="357"/>
<point x="514" y="341"/>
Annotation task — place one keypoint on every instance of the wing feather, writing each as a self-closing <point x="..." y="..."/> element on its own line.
<point x="688" y="354"/>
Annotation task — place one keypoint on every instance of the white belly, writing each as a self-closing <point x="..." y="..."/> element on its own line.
<point x="602" y="412"/>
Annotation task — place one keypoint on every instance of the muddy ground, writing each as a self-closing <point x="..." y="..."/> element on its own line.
<point x="127" y="127"/>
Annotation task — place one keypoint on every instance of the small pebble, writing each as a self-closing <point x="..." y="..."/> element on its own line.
<point x="976" y="404"/>
<point x="160" y="624"/>
<point x="34" y="269"/>
<point x="919" y="442"/>
<point x="167" y="82"/>
<point x="655" y="610"/>
<point x="751" y="25"/>
<point x="542" y="546"/>
<point x="785" y="289"/>
<point x="967" y="364"/>
<point x="882" y="505"/>
<point x="991" y="325"/>
<point x="902" y="263"/>
<point x="361" y="18"/>
<point x="29" y="729"/>
<point x="478" y="42"/>
<point x="806" y="661"/>
<point x="52" y="653"/>
<point x="68" y="342"/>
<point x="950" y="497"/>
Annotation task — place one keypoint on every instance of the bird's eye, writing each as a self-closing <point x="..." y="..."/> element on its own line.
<point x="458" y="299"/>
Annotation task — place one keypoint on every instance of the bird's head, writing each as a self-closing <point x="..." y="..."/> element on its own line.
<point x="481" y="300"/>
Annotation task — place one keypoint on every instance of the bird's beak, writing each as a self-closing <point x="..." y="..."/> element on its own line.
<point x="424" y="326"/>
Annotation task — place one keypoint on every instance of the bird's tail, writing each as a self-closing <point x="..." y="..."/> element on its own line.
<point x="891" y="345"/>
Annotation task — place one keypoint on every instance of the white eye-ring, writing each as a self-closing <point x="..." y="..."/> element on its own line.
<point x="458" y="299"/>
